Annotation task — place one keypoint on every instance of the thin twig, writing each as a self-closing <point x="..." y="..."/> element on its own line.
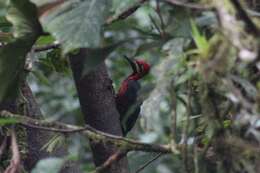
<point x="245" y="103"/>
<point x="148" y="163"/>
<point x="14" y="166"/>
<point x="111" y="160"/>
<point x="126" y="13"/>
<point x="186" y="131"/>
<point x="158" y="10"/>
<point x="55" y="129"/>
<point x="253" y="13"/>
<point x="155" y="25"/>
<point x="173" y="114"/>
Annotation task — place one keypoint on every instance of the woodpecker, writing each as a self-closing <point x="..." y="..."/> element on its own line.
<point x="126" y="98"/>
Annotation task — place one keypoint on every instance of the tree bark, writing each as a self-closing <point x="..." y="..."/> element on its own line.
<point x="36" y="139"/>
<point x="9" y="105"/>
<point x="98" y="106"/>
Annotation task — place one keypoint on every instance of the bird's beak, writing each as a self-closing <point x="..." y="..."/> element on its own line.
<point x="132" y="64"/>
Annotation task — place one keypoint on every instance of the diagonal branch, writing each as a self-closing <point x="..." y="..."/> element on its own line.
<point x="112" y="159"/>
<point x="148" y="163"/>
<point x="126" y="13"/>
<point x="92" y="134"/>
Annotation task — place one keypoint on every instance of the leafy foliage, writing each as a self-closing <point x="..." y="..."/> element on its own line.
<point x="202" y="93"/>
<point x="13" y="55"/>
<point x="51" y="165"/>
<point x="70" y="30"/>
<point x="7" y="121"/>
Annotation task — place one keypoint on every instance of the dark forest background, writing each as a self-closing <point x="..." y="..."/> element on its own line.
<point x="61" y="63"/>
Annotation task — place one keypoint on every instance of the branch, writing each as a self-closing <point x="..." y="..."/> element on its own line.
<point x="112" y="159"/>
<point x="53" y="129"/>
<point x="253" y="13"/>
<point x="57" y="45"/>
<point x="3" y="146"/>
<point x="158" y="11"/>
<point x="14" y="166"/>
<point x="148" y="163"/>
<point x="46" y="47"/>
<point x="93" y="134"/>
<point x="126" y="13"/>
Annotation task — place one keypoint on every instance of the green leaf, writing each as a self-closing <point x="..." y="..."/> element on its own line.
<point x="227" y="123"/>
<point x="151" y="45"/>
<point x="44" y="40"/>
<point x="59" y="63"/>
<point x="49" y="165"/>
<point x="7" y="121"/>
<point x="3" y="5"/>
<point x="185" y="77"/>
<point x="55" y="142"/>
<point x="41" y="77"/>
<point x="13" y="55"/>
<point x="76" y="24"/>
<point x="250" y="89"/>
<point x="200" y="39"/>
<point x="181" y="20"/>
<point x="119" y="5"/>
<point x="5" y="26"/>
<point x="22" y="14"/>
<point x="94" y="57"/>
<point x="207" y="19"/>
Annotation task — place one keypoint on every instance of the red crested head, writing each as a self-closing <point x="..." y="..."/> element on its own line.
<point x="140" y="68"/>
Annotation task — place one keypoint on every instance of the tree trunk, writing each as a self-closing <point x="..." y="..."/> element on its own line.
<point x="98" y="106"/>
<point x="11" y="106"/>
<point x="36" y="139"/>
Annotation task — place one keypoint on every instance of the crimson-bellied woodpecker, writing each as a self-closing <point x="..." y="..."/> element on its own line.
<point x="126" y="98"/>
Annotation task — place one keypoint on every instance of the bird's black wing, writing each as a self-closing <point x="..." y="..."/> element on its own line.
<point x="128" y="107"/>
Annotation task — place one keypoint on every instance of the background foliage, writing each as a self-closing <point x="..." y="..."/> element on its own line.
<point x="203" y="90"/>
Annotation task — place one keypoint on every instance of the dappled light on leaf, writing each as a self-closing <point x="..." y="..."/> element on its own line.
<point x="71" y="31"/>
